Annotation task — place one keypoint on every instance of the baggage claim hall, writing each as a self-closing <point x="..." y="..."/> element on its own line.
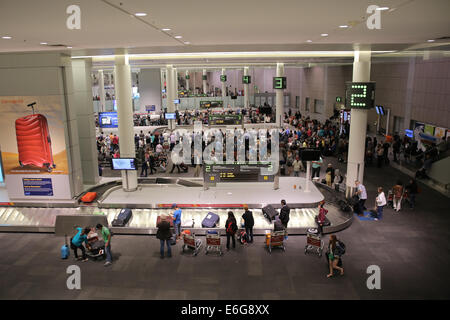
<point x="238" y="150"/>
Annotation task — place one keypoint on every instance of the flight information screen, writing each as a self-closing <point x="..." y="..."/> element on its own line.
<point x="237" y="172"/>
<point x="360" y="95"/>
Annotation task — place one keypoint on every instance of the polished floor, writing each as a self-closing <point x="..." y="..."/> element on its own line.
<point x="412" y="249"/>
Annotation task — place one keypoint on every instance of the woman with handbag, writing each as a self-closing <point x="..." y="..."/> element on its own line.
<point x="334" y="254"/>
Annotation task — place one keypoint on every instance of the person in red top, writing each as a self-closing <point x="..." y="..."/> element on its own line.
<point x="320" y="219"/>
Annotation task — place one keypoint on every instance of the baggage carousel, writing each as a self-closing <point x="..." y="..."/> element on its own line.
<point x="153" y="198"/>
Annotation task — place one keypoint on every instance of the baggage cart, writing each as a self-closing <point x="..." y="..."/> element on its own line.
<point x="314" y="241"/>
<point x="213" y="242"/>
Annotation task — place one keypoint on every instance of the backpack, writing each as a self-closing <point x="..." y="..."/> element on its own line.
<point x="232" y="227"/>
<point x="340" y="246"/>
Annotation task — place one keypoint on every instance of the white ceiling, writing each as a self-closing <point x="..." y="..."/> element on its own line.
<point x="109" y="26"/>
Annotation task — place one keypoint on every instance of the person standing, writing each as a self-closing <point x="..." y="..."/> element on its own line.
<point x="362" y="196"/>
<point x="320" y="219"/>
<point x="316" y="168"/>
<point x="249" y="222"/>
<point x="412" y="191"/>
<point x="398" y="195"/>
<point x="106" y="235"/>
<point x="164" y="234"/>
<point x="330" y="169"/>
<point x="284" y="213"/>
<point x="381" y="202"/>
<point x="231" y="228"/>
<point x="334" y="254"/>
<point x="297" y="164"/>
<point x="380" y="154"/>
<point x="177" y="220"/>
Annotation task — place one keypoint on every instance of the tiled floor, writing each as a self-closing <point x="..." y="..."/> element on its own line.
<point x="412" y="248"/>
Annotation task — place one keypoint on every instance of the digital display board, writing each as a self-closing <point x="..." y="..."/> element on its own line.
<point x="204" y="77"/>
<point x="187" y="77"/>
<point x="225" y="119"/>
<point x="170" y="116"/>
<point x="223" y="78"/>
<point x="176" y="101"/>
<point x="211" y="104"/>
<point x="409" y="133"/>
<point x="310" y="154"/>
<point x="279" y="82"/>
<point x="246" y="79"/>
<point x="360" y="95"/>
<point x="124" y="164"/>
<point x="237" y="172"/>
<point x="380" y="110"/>
<point x="108" y="120"/>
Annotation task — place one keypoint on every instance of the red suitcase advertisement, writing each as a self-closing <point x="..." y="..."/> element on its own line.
<point x="34" y="142"/>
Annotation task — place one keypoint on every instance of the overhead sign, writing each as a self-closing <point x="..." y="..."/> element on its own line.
<point x="108" y="120"/>
<point x="223" y="78"/>
<point x="246" y="79"/>
<point x="225" y="119"/>
<point x="360" y="95"/>
<point x="150" y="108"/>
<point x="204" y="77"/>
<point x="279" y="82"/>
<point x="211" y="104"/>
<point x="187" y="77"/>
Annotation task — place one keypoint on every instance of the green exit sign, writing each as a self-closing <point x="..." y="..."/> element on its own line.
<point x="279" y="82"/>
<point x="223" y="78"/>
<point x="246" y="79"/>
<point x="339" y="99"/>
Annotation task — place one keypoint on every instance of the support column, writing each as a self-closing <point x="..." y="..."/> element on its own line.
<point x="246" y="91"/>
<point x="170" y="94"/>
<point x="205" y="89"/>
<point x="187" y="80"/>
<point x="358" y="126"/>
<point x="409" y="94"/>
<point x="122" y="74"/>
<point x="279" y="98"/>
<point x="101" y="91"/>
<point x="224" y="87"/>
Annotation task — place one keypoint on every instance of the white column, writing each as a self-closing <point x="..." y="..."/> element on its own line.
<point x="246" y="91"/>
<point x="187" y="81"/>
<point x="358" y="126"/>
<point x="224" y="88"/>
<point x="101" y="91"/>
<point x="170" y="93"/>
<point x="205" y="89"/>
<point x="308" y="176"/>
<point x="279" y="98"/>
<point x="125" y="114"/>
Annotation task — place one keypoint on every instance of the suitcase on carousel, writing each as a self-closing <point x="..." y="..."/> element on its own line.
<point x="269" y="212"/>
<point x="33" y="141"/>
<point x="123" y="218"/>
<point x="211" y="220"/>
<point x="88" y="197"/>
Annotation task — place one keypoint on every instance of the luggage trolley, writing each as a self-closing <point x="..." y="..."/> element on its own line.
<point x="314" y="241"/>
<point x="275" y="240"/>
<point x="192" y="243"/>
<point x="213" y="242"/>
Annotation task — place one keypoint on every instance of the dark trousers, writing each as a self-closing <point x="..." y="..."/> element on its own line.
<point x="152" y="168"/>
<point x="249" y="232"/>
<point x="228" y="240"/>
<point x="379" y="161"/>
<point x="173" y="168"/>
<point x="75" y="250"/>
<point x="316" y="172"/>
<point x="144" y="168"/>
<point x="361" y="206"/>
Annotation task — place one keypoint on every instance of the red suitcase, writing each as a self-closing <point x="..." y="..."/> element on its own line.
<point x="89" y="197"/>
<point x="33" y="142"/>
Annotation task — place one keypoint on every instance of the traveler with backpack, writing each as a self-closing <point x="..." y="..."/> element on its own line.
<point x="336" y="249"/>
<point x="249" y="222"/>
<point x="164" y="234"/>
<point x="231" y="228"/>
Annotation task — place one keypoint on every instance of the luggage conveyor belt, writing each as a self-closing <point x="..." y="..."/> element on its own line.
<point x="143" y="221"/>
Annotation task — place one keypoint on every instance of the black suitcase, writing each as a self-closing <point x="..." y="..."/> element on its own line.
<point x="344" y="206"/>
<point x="269" y="212"/>
<point x="123" y="218"/>
<point x="211" y="220"/>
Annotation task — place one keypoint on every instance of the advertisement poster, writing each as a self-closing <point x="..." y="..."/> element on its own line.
<point x="440" y="132"/>
<point x="429" y="129"/>
<point x="33" y="147"/>
<point x="108" y="120"/>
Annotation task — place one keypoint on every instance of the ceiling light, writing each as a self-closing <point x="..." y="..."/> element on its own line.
<point x="6" y="37"/>
<point x="140" y="14"/>
<point x="308" y="40"/>
<point x="324" y="34"/>
<point x="187" y="42"/>
<point x="343" y="26"/>
<point x="430" y="40"/>
<point x="382" y="8"/>
<point x="178" y="37"/>
<point x="166" y="29"/>
<point x="43" y="43"/>
<point x="69" y="47"/>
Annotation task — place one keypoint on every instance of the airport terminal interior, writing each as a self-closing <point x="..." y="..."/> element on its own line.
<point x="290" y="150"/>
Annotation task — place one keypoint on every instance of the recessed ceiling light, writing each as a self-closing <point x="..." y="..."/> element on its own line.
<point x="187" y="42"/>
<point x="382" y="8"/>
<point x="6" y="37"/>
<point x="69" y="47"/>
<point x="324" y="34"/>
<point x="178" y="37"/>
<point x="166" y="29"/>
<point x="43" y="43"/>
<point x="308" y="40"/>
<point x="343" y="26"/>
<point x="430" y="40"/>
<point x="140" y="14"/>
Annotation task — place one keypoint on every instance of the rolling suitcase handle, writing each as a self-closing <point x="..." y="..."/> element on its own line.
<point x="32" y="106"/>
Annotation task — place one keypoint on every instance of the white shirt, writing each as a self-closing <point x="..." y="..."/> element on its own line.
<point x="363" y="194"/>
<point x="381" y="199"/>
